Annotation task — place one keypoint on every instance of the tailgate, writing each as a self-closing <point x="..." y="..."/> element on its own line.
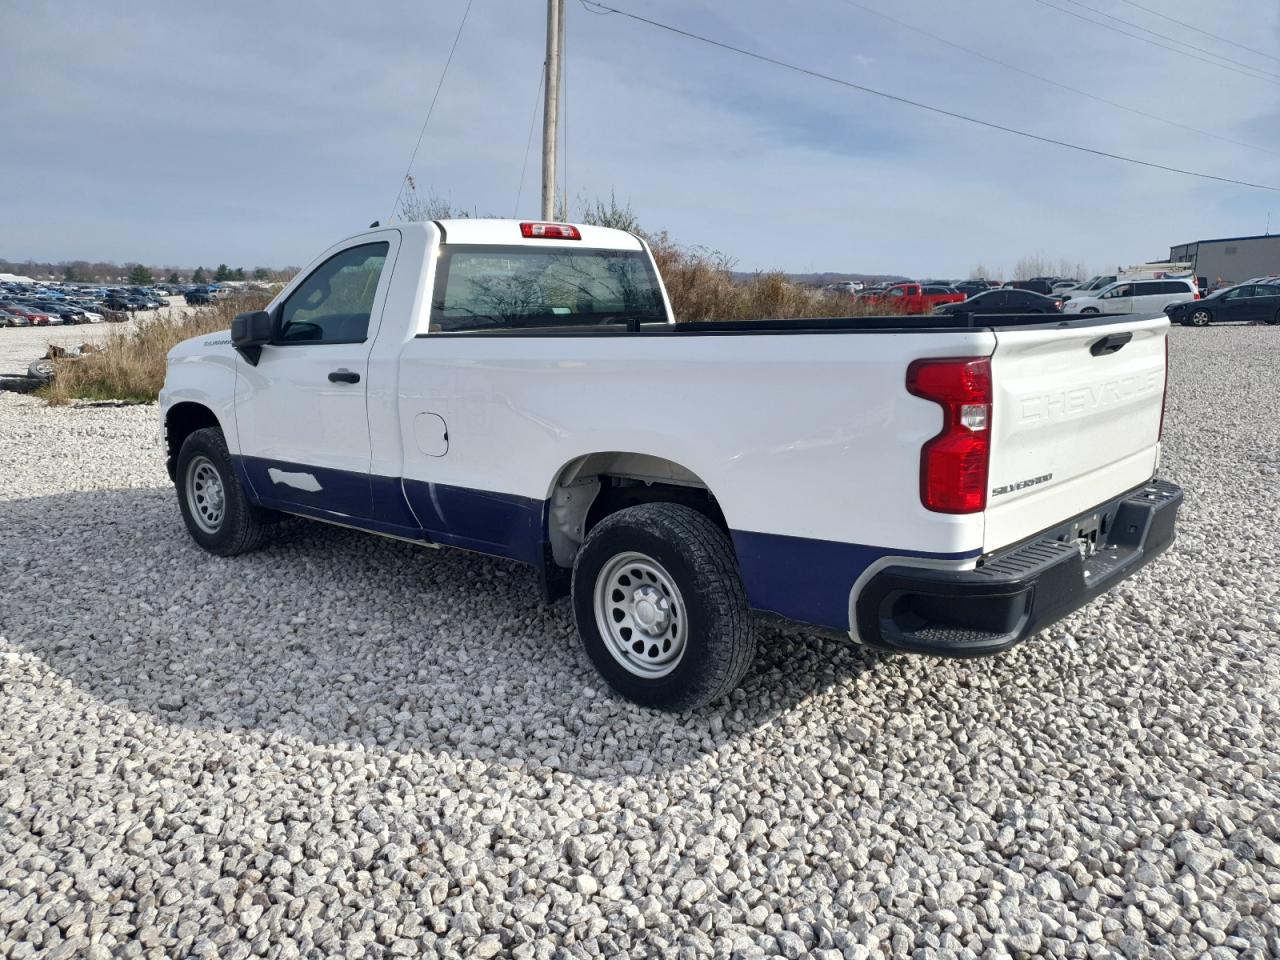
<point x="1075" y="420"/>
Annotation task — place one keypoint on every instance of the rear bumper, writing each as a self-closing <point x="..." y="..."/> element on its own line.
<point x="1017" y="592"/>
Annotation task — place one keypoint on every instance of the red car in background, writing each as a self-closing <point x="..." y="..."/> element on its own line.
<point x="35" y="317"/>
<point x="913" y="298"/>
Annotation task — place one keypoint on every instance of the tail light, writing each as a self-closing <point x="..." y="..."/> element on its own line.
<point x="954" y="464"/>
<point x="549" y="231"/>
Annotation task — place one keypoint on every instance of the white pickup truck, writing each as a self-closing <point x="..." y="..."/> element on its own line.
<point x="941" y="485"/>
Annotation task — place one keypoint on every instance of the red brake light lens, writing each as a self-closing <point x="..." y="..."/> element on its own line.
<point x="549" y="231"/>
<point x="954" y="464"/>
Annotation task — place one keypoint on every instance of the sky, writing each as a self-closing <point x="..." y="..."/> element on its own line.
<point x="259" y="133"/>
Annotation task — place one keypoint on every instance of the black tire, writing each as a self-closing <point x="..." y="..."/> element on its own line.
<point x="1090" y="311"/>
<point x="720" y="641"/>
<point x="242" y="526"/>
<point x="1199" y="318"/>
<point x="41" y="370"/>
<point x="1272" y="321"/>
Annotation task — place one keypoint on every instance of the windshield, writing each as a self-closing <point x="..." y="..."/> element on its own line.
<point x="506" y="288"/>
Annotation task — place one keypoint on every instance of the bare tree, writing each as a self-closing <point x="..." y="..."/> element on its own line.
<point x="598" y="213"/>
<point x="415" y="207"/>
<point x="1033" y="266"/>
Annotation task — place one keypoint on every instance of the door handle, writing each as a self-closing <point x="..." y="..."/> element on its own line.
<point x="1110" y="344"/>
<point x="344" y="376"/>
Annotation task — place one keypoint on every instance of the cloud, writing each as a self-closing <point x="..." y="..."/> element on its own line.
<point x="254" y="134"/>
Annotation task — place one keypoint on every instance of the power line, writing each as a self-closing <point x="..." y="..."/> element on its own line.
<point x="1199" y="29"/>
<point x="1063" y="86"/>
<point x="431" y="109"/>
<point x="528" y="145"/>
<point x="1163" y="46"/>
<point x="917" y="104"/>
<point x="1164" y="36"/>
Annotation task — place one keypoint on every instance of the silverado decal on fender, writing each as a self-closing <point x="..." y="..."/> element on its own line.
<point x="1021" y="484"/>
<point x="1065" y="404"/>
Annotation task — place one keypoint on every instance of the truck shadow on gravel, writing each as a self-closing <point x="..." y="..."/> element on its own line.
<point x="340" y="637"/>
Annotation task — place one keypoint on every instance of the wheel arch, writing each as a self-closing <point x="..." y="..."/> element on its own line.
<point x="593" y="486"/>
<point x="180" y="421"/>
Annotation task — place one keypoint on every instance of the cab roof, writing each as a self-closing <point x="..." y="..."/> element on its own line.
<point x="507" y="233"/>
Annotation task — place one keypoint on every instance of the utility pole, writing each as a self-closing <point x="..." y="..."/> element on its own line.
<point x="551" y="107"/>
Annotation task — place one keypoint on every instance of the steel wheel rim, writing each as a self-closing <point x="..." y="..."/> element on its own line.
<point x="641" y="615"/>
<point x="206" y="494"/>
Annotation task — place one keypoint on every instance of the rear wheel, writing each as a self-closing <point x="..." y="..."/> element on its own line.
<point x="1274" y="320"/>
<point x="660" y="607"/>
<point x="214" y="506"/>
<point x="1090" y="311"/>
<point x="1200" y="318"/>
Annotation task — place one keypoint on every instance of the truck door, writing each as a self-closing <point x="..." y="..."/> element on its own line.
<point x="301" y="412"/>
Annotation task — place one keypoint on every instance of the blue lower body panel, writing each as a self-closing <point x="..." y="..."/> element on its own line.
<point x="798" y="578"/>
<point x="809" y="580"/>
<point x="500" y="524"/>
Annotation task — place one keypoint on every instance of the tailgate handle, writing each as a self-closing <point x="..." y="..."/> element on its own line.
<point x="1109" y="344"/>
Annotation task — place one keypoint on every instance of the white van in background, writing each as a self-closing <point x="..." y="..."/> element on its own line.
<point x="1089" y="288"/>
<point x="1135" y="296"/>
<point x="1094" y="286"/>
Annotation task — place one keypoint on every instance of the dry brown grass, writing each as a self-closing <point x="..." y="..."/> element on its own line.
<point x="130" y="366"/>
<point x="702" y="287"/>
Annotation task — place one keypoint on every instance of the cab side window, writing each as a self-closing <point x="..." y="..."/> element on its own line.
<point x="334" y="303"/>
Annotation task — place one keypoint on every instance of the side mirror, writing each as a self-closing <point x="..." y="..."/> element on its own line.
<point x="250" y="332"/>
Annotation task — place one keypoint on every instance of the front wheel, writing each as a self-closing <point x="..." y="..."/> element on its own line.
<point x="660" y="607"/>
<point x="1200" y="318"/>
<point x="1090" y="311"/>
<point x="214" y="506"/>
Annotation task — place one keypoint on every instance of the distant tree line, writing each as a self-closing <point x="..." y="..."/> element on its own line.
<point x="138" y="274"/>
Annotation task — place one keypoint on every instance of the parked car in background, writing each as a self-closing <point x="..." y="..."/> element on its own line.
<point x="1249" y="302"/>
<point x="36" y="318"/>
<point x="1036" y="285"/>
<point x="65" y="311"/>
<point x="846" y="287"/>
<point x="92" y="312"/>
<point x="8" y="319"/>
<point x="1003" y="301"/>
<point x="913" y="298"/>
<point x="970" y="287"/>
<point x="1135" y="296"/>
<point x="1090" y="287"/>
<point x="197" y="296"/>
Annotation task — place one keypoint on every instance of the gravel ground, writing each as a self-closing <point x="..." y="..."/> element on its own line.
<point x="348" y="747"/>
